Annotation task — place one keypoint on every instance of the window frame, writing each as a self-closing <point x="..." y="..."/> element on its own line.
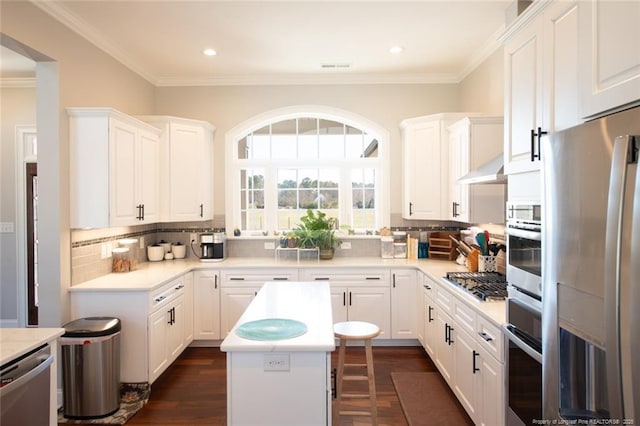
<point x="233" y="164"/>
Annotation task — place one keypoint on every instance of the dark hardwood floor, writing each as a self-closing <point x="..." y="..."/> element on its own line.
<point x="193" y="390"/>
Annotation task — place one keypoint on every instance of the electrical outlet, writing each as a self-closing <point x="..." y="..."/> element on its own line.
<point x="270" y="246"/>
<point x="193" y="238"/>
<point x="105" y="250"/>
<point x="276" y="362"/>
<point x="346" y="245"/>
<point x="6" y="227"/>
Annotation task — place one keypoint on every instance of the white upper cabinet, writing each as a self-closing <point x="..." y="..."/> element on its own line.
<point x="114" y="169"/>
<point x="186" y="164"/>
<point x="610" y="55"/>
<point x="473" y="142"/>
<point x="425" y="145"/>
<point x="541" y="80"/>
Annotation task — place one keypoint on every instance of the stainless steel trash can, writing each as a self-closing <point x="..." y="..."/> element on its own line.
<point x="91" y="367"/>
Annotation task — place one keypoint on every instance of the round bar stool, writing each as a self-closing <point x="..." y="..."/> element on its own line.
<point x="355" y="330"/>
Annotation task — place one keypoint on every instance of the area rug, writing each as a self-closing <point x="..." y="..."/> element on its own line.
<point x="133" y="396"/>
<point x="427" y="400"/>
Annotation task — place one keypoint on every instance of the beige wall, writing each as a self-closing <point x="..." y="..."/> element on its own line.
<point x="483" y="89"/>
<point x="387" y="105"/>
<point x="86" y="76"/>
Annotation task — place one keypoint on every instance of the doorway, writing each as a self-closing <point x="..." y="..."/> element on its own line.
<point x="31" y="209"/>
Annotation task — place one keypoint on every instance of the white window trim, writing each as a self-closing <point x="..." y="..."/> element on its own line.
<point x="232" y="192"/>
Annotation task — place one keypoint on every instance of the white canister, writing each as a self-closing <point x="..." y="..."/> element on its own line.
<point x="179" y="251"/>
<point x="155" y="253"/>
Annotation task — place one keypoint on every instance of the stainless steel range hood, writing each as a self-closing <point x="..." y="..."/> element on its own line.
<point x="490" y="172"/>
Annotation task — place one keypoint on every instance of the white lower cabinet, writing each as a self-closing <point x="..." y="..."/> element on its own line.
<point x="238" y="287"/>
<point x="357" y="295"/>
<point x="155" y="324"/>
<point x="468" y="351"/>
<point x="206" y="313"/>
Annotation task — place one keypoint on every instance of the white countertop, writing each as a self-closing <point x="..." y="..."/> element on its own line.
<point x="151" y="275"/>
<point x="18" y="341"/>
<point x="307" y="302"/>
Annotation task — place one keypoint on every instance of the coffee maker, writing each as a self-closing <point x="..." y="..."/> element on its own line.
<point x="212" y="247"/>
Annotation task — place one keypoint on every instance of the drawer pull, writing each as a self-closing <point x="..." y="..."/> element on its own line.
<point x="426" y="286"/>
<point x="321" y="279"/>
<point x="372" y="278"/>
<point x="178" y="287"/>
<point x="280" y="279"/>
<point x="236" y="278"/>
<point x="160" y="298"/>
<point x="485" y="336"/>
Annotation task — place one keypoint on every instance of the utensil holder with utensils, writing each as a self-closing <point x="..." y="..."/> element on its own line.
<point x="487" y="263"/>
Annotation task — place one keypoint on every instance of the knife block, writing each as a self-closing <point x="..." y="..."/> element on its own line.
<point x="472" y="260"/>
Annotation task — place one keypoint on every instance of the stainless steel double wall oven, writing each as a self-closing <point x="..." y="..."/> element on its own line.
<point x="524" y="313"/>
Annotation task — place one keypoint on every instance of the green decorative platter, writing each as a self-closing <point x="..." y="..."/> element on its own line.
<point x="271" y="329"/>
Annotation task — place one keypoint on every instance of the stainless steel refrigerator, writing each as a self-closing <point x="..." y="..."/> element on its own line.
<point x="591" y="271"/>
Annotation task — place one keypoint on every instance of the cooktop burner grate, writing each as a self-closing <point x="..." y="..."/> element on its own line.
<point x="487" y="286"/>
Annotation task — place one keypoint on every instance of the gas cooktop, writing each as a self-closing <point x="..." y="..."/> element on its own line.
<point x="486" y="286"/>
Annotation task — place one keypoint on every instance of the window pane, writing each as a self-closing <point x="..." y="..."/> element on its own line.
<point x="252" y="199"/>
<point x="283" y="139"/>
<point x="243" y="149"/>
<point x="331" y="139"/>
<point x="258" y="143"/>
<point x="287" y="199"/>
<point x="328" y="199"/>
<point x="370" y="146"/>
<point x="329" y="178"/>
<point x="308" y="199"/>
<point x="307" y="138"/>
<point x="287" y="178"/>
<point x="354" y="140"/>
<point x="308" y="178"/>
<point x="357" y="198"/>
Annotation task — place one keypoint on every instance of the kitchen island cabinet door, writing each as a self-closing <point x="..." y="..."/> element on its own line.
<point x="467" y="379"/>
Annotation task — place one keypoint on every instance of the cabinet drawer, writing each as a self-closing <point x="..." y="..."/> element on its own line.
<point x="465" y="317"/>
<point x="445" y="300"/>
<point x="349" y="277"/>
<point x="244" y="278"/>
<point x="166" y="293"/>
<point x="490" y="337"/>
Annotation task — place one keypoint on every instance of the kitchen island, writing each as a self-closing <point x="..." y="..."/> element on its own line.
<point x="286" y="381"/>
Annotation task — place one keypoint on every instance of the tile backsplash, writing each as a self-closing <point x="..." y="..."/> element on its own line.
<point x="88" y="247"/>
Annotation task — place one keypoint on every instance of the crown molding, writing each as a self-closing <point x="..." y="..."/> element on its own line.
<point x="64" y="16"/>
<point x="61" y="14"/>
<point x="17" y="82"/>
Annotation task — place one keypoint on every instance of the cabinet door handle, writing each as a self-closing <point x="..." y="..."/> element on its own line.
<point x="536" y="136"/>
<point x="201" y="210"/>
<point x="485" y="336"/>
<point x="430" y="318"/>
<point x="344" y="298"/>
<point x="142" y="205"/>
<point x="474" y="368"/>
<point x="410" y="208"/>
<point x="215" y="282"/>
<point x="454" y="211"/>
<point x="446" y="333"/>
<point x="394" y="280"/>
<point x="349" y="298"/>
<point x="139" y="207"/>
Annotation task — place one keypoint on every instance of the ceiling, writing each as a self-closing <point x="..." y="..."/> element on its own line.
<point x="289" y="42"/>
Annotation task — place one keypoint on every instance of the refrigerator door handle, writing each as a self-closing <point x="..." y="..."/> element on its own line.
<point x="634" y="328"/>
<point x="612" y="272"/>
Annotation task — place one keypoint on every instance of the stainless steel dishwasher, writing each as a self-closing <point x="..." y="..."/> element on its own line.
<point x="24" y="389"/>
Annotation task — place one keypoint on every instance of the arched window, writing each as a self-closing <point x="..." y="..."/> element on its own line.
<point x="284" y="162"/>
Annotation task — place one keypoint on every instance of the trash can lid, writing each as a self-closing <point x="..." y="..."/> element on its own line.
<point x="92" y="327"/>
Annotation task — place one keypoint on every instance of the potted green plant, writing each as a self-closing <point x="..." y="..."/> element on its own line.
<point x="317" y="230"/>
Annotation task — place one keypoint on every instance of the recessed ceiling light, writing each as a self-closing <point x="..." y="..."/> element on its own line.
<point x="396" y="49"/>
<point x="209" y="52"/>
